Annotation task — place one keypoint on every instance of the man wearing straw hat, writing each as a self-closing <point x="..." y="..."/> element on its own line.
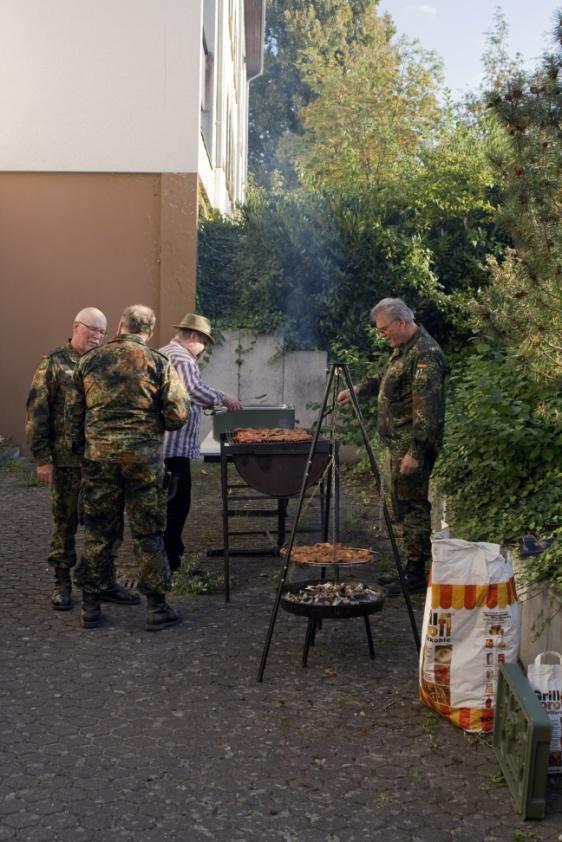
<point x="181" y="446"/>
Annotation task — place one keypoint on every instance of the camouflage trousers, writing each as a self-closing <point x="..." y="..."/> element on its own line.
<point x="108" y="488"/>
<point x="65" y="494"/>
<point x="411" y="505"/>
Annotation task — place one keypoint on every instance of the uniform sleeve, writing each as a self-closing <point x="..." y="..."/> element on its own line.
<point x="175" y="400"/>
<point x="428" y="403"/>
<point x="75" y="414"/>
<point x="369" y="387"/>
<point x="38" y="417"/>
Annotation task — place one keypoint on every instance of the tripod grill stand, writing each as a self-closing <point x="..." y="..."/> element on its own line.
<point x="335" y="370"/>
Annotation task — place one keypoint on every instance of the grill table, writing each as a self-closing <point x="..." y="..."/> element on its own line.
<point x="224" y="423"/>
<point x="275" y="470"/>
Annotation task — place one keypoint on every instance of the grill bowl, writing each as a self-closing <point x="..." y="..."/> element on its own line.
<point x="277" y="469"/>
<point x="334" y="612"/>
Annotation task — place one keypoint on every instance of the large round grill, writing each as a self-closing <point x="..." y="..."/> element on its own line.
<point x="277" y="469"/>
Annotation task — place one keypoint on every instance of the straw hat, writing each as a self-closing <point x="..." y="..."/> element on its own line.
<point x="191" y="321"/>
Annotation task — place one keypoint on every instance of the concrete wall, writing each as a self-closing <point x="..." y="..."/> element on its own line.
<point x="72" y="240"/>
<point x="251" y="368"/>
<point x="538" y="604"/>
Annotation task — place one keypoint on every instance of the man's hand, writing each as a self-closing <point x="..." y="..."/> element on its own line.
<point x="45" y="473"/>
<point x="344" y="397"/>
<point x="232" y="403"/>
<point x="409" y="465"/>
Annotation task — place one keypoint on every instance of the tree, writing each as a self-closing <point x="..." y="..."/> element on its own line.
<point x="523" y="305"/>
<point x="299" y="35"/>
<point x="374" y="109"/>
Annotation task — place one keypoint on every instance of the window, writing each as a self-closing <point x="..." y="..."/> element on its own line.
<point x="207" y="95"/>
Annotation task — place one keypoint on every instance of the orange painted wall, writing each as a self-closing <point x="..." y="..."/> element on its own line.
<point x="73" y="240"/>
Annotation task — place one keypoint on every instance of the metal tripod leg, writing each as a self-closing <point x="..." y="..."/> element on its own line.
<point x="376" y="473"/>
<point x="344" y="368"/>
<point x="369" y="636"/>
<point x="308" y="639"/>
<point x="225" y="538"/>
<point x="283" y="576"/>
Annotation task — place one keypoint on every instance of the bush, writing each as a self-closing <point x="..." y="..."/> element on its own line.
<point x="502" y="457"/>
<point x="310" y="266"/>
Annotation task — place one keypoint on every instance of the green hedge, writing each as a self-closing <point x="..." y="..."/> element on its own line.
<point x="501" y="466"/>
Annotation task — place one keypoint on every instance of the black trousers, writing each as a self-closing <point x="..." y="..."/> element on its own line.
<point x="178" y="506"/>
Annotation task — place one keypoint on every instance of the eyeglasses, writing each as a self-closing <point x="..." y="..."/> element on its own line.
<point x="383" y="330"/>
<point x="93" y="329"/>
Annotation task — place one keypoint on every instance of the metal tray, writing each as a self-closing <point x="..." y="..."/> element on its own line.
<point x="253" y="416"/>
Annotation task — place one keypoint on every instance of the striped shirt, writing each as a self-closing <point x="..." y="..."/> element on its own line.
<point x="186" y="442"/>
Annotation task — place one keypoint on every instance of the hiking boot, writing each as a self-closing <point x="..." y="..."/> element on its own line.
<point x="120" y="595"/>
<point x="160" y="615"/>
<point x="60" y="597"/>
<point x="91" y="611"/>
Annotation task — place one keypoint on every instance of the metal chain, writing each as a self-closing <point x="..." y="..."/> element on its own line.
<point x="334" y="466"/>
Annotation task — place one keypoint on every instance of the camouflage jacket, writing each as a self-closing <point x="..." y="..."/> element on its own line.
<point x="411" y="397"/>
<point x="45" y="421"/>
<point x="125" y="395"/>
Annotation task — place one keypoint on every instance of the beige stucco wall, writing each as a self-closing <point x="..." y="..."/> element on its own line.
<point x="100" y="87"/>
<point x="72" y="240"/>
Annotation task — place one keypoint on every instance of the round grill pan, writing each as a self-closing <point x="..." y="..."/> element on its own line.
<point x="320" y="612"/>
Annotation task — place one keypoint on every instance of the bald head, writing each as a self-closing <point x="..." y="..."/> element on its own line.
<point x="88" y="330"/>
<point x="90" y="313"/>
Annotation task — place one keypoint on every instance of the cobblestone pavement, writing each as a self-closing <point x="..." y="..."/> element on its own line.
<point x="116" y="734"/>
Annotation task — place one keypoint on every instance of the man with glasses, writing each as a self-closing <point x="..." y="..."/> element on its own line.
<point x="56" y="464"/>
<point x="410" y="419"/>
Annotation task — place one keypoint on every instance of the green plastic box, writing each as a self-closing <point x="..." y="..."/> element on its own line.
<point x="521" y="741"/>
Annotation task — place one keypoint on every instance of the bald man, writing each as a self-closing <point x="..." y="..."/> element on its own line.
<point x="56" y="464"/>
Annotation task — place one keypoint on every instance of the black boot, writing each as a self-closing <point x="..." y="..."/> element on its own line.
<point x="91" y="611"/>
<point x="120" y="595"/>
<point x="60" y="597"/>
<point x="415" y="577"/>
<point x="160" y="615"/>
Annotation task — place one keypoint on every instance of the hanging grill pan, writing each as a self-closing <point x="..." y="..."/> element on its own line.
<point x="343" y="610"/>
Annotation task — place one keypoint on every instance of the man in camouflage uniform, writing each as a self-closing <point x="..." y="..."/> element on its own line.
<point x="125" y="396"/>
<point x="56" y="464"/>
<point x="411" y="410"/>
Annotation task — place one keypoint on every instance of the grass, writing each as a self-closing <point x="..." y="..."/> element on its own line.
<point x="497" y="779"/>
<point x="29" y="478"/>
<point x="525" y="836"/>
<point x="11" y="466"/>
<point x="193" y="580"/>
